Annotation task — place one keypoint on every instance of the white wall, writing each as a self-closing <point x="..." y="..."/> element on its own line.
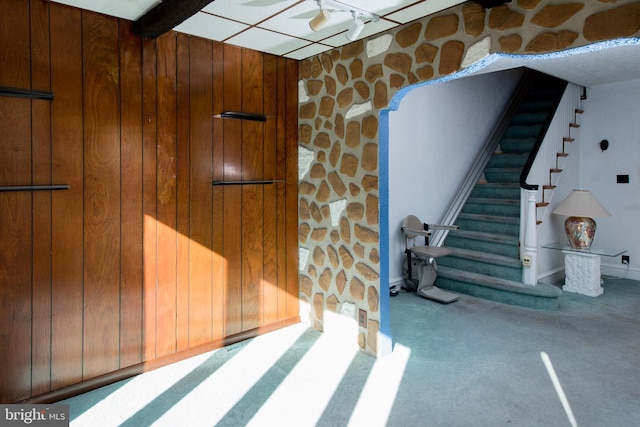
<point x="611" y="113"/>
<point x="434" y="137"/>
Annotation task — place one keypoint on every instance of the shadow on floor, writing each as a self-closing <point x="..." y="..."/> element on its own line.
<point x="470" y="363"/>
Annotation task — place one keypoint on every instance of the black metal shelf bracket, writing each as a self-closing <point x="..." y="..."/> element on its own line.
<point x="9" y="188"/>
<point x="241" y="116"/>
<point x="250" y="182"/>
<point x="25" y="93"/>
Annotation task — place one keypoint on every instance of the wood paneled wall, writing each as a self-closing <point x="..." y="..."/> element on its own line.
<point x="143" y="260"/>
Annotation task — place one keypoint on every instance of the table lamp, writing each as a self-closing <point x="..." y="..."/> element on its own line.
<point x="581" y="207"/>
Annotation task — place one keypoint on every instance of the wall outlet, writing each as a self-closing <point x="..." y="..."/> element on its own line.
<point x="362" y="318"/>
<point x="526" y="260"/>
<point x="625" y="259"/>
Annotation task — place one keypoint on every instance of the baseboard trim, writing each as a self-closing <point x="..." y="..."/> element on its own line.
<point x="131" y="371"/>
<point x="620" y="271"/>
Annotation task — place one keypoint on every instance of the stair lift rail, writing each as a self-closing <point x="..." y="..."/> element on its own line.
<point x="489" y="148"/>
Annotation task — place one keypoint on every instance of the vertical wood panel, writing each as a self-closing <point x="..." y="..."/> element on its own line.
<point x="201" y="192"/>
<point x="166" y="193"/>
<point x="182" y="193"/>
<point x="149" y="208"/>
<point x="282" y="188"/>
<point x="271" y="243"/>
<point x="252" y="195"/>
<point x="231" y="223"/>
<point x="15" y="208"/>
<point x="131" y="197"/>
<point x="142" y="256"/>
<point x="67" y="206"/>
<point x="41" y="169"/>
<point x="291" y="206"/>
<point x="219" y="269"/>
<point x="15" y="250"/>
<point x="14" y="44"/>
<point x="101" y="194"/>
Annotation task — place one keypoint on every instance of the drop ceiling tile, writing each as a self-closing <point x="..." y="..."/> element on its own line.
<point x="380" y="7"/>
<point x="308" y="51"/>
<point x="267" y="41"/>
<point x="422" y="9"/>
<point x="210" y="27"/>
<point x="248" y="11"/>
<point x="283" y="29"/>
<point x="370" y="29"/>
<point x="295" y="22"/>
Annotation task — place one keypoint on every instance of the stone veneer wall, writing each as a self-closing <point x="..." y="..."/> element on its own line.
<point x="341" y="94"/>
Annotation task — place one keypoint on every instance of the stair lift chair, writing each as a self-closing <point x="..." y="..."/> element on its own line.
<point x="420" y="269"/>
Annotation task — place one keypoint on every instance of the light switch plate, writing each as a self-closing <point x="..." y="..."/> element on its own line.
<point x="622" y="179"/>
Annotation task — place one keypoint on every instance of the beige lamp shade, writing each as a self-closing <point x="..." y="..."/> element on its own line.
<point x="581" y="203"/>
<point x="580" y="207"/>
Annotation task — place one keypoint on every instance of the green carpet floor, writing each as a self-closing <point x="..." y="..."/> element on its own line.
<point x="471" y="363"/>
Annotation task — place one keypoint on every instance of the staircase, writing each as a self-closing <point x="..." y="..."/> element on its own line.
<point x="485" y="260"/>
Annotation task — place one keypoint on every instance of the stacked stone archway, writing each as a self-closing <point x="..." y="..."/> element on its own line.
<point x="341" y="94"/>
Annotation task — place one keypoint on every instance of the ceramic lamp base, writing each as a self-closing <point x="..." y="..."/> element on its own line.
<point x="580" y="231"/>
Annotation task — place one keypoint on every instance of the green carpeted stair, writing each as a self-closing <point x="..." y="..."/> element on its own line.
<point x="485" y="261"/>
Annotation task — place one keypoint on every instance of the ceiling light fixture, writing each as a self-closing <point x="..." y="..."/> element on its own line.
<point x="320" y="20"/>
<point x="355" y="29"/>
<point x="329" y="6"/>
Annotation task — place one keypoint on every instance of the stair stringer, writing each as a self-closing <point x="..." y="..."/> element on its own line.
<point x="560" y="150"/>
<point x="551" y="160"/>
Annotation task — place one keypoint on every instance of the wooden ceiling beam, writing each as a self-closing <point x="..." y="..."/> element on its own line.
<point x="166" y="16"/>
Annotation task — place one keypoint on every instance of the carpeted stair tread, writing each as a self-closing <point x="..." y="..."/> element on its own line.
<point x="535" y="105"/>
<point x="489" y="223"/>
<point x="530" y="117"/>
<point x="496" y="190"/>
<point x="487" y="242"/>
<point x="503" y="169"/>
<point x="539" y="290"/>
<point x="490" y="218"/>
<point x="508" y="185"/>
<point x="507" y="160"/>
<point x="517" y="145"/>
<point x="487" y="237"/>
<point x="517" y="140"/>
<point x="523" y="131"/>
<point x="502" y="174"/>
<point x="501" y="209"/>
<point x="485" y="257"/>
<point x="492" y="201"/>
